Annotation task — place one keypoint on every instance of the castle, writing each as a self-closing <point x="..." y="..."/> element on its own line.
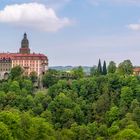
<point x="30" y="62"/>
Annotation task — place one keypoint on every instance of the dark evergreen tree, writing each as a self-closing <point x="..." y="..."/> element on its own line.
<point x="99" y="70"/>
<point x="104" y="68"/>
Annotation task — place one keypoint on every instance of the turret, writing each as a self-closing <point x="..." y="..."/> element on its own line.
<point x="24" y="45"/>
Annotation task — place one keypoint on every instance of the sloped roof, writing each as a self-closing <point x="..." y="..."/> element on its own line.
<point x="19" y="55"/>
<point x="136" y="69"/>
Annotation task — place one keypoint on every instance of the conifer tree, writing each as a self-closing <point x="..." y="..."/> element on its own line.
<point x="104" y="68"/>
<point x="99" y="69"/>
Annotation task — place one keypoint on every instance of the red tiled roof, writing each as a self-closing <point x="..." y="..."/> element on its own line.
<point x="5" y="55"/>
<point x="136" y="69"/>
<point x="17" y="55"/>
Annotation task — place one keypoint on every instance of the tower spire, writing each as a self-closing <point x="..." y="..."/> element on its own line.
<point x="25" y="35"/>
<point x="25" y="45"/>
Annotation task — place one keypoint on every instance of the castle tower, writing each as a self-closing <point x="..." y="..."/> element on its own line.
<point x="24" y="45"/>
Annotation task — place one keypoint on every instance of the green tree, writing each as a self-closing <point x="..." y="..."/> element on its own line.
<point x="27" y="84"/>
<point x="134" y="104"/>
<point x="102" y="130"/>
<point x="11" y="119"/>
<point x="102" y="104"/>
<point x="136" y="115"/>
<point x="27" y="103"/>
<point x="81" y="132"/>
<point x="5" y="133"/>
<point x="93" y="128"/>
<point x="113" y="130"/>
<point x="111" y="67"/>
<point x="2" y="99"/>
<point x="39" y="96"/>
<point x="112" y="115"/>
<point x="50" y="78"/>
<point x="56" y="89"/>
<point x="125" y="68"/>
<point x="25" y="124"/>
<point x="127" y="134"/>
<point x="47" y="115"/>
<point x="99" y="69"/>
<point x="65" y="134"/>
<point x="78" y="72"/>
<point x="15" y="87"/>
<point x="16" y="72"/>
<point x="137" y="91"/>
<point x="41" y="130"/>
<point x="126" y="96"/>
<point x="86" y="88"/>
<point x="104" y="68"/>
<point x="78" y="114"/>
<point x="38" y="109"/>
<point x="4" y="86"/>
<point x="61" y="109"/>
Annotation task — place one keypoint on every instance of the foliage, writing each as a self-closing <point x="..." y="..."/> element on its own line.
<point x="50" y="78"/>
<point x="5" y="133"/>
<point x="78" y="72"/>
<point x="112" y="67"/>
<point x="99" y="69"/>
<point x="125" y="68"/>
<point x="16" y="72"/>
<point x="72" y="106"/>
<point x="104" y="68"/>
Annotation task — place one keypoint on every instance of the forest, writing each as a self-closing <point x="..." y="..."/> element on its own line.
<point x="104" y="105"/>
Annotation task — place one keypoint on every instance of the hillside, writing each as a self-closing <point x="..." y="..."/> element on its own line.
<point x="69" y="68"/>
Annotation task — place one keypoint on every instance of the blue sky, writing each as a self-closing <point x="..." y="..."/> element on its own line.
<point x="73" y="32"/>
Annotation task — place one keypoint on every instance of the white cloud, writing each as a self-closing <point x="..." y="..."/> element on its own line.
<point x="135" y="27"/>
<point x="33" y="15"/>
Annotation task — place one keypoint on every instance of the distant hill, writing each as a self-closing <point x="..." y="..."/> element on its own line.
<point x="69" y="68"/>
